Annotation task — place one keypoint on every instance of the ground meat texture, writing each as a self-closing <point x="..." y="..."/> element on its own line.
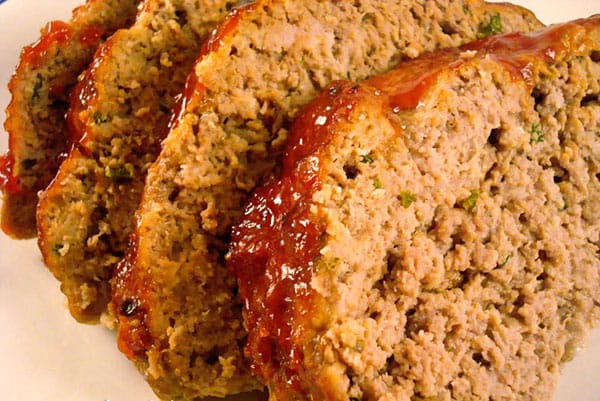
<point x="40" y="88"/>
<point x="118" y="115"/>
<point x="178" y="306"/>
<point x="433" y="233"/>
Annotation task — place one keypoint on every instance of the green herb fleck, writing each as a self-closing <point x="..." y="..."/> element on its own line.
<point x="119" y="173"/>
<point x="466" y="10"/>
<point x="537" y="135"/>
<point x="99" y="118"/>
<point x="327" y="264"/>
<point x="469" y="203"/>
<point x="377" y="184"/>
<point x="29" y="163"/>
<point x="493" y="27"/>
<point x="57" y="248"/>
<point x="348" y="76"/>
<point x="505" y="261"/>
<point x="367" y="159"/>
<point x="407" y="198"/>
<point x="565" y="207"/>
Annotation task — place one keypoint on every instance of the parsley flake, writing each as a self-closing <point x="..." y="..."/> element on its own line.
<point x="469" y="203"/>
<point x="367" y="159"/>
<point x="493" y="27"/>
<point x="536" y="133"/>
<point x="119" y="173"/>
<point x="407" y="198"/>
<point x="505" y="261"/>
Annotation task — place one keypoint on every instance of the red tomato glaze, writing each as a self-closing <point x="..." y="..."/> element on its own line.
<point x="277" y="241"/>
<point x="8" y="183"/>
<point x="275" y="245"/>
<point x="54" y="32"/>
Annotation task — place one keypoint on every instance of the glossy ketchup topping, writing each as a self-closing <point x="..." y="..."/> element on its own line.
<point x="218" y="35"/>
<point x="131" y="299"/>
<point x="82" y="98"/>
<point x="54" y="32"/>
<point x="8" y="183"/>
<point x="83" y="95"/>
<point x="518" y="53"/>
<point x="278" y="239"/>
<point x="193" y="89"/>
<point x="91" y="35"/>
<point x="274" y="246"/>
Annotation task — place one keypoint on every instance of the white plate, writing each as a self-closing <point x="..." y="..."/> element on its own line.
<point x="45" y="355"/>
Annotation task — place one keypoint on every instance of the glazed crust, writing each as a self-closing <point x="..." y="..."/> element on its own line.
<point x="176" y="301"/>
<point x="40" y="87"/>
<point x="431" y="234"/>
<point x="119" y="115"/>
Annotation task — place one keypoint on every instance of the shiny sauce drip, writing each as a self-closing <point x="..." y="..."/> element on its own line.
<point x="8" y="183"/>
<point x="194" y="89"/>
<point x="406" y="86"/>
<point x="130" y="299"/>
<point x="217" y="37"/>
<point x="83" y="98"/>
<point x="279" y="239"/>
<point x="55" y="32"/>
<point x="91" y="35"/>
<point x="517" y="52"/>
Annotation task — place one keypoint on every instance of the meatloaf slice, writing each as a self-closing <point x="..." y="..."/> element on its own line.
<point x="178" y="309"/>
<point x="434" y="232"/>
<point x="118" y="116"/>
<point x="40" y="88"/>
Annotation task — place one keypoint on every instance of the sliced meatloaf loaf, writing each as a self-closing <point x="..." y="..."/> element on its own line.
<point x="177" y="304"/>
<point x="40" y="88"/>
<point x="434" y="232"/>
<point x="119" y="113"/>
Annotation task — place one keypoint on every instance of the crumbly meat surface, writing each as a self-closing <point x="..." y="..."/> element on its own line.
<point x="119" y="114"/>
<point x="434" y="232"/>
<point x="40" y="87"/>
<point x="178" y="308"/>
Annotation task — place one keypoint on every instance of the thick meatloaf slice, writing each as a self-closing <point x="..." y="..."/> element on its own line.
<point x="179" y="313"/>
<point x="434" y="232"/>
<point x="118" y="116"/>
<point x="40" y="87"/>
